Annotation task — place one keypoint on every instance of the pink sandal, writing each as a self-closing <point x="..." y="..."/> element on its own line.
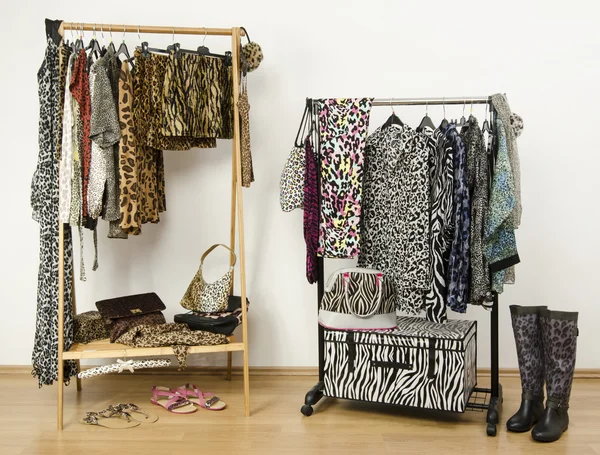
<point x="204" y="400"/>
<point x="171" y="400"/>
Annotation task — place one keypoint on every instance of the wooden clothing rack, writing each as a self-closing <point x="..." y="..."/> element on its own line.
<point x="482" y="399"/>
<point x="104" y="349"/>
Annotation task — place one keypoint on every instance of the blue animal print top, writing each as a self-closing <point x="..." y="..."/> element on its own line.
<point x="458" y="267"/>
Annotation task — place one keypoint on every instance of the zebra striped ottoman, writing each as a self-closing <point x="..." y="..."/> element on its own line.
<point x="420" y="364"/>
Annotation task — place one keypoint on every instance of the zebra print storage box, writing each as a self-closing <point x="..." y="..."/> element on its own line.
<point x="420" y="364"/>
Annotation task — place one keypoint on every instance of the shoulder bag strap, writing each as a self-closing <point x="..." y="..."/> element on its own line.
<point x="207" y="252"/>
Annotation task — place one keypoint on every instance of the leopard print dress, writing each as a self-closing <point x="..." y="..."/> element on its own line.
<point x="343" y="126"/>
<point x="44" y="202"/>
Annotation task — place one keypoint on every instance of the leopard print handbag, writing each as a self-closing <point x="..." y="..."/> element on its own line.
<point x="209" y="297"/>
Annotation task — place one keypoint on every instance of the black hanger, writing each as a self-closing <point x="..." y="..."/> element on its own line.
<point x="426" y="121"/>
<point x="303" y="123"/>
<point x="123" y="50"/>
<point x="392" y="120"/>
<point x="444" y="123"/>
<point x="94" y="45"/>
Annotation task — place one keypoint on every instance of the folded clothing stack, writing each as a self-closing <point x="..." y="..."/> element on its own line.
<point x="223" y="323"/>
<point x="124" y="313"/>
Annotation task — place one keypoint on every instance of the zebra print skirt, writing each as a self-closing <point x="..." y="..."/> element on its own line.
<point x="420" y="364"/>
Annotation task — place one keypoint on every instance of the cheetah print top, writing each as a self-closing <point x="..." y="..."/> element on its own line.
<point x="105" y="132"/>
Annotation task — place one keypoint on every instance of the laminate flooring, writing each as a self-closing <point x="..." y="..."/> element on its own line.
<point x="28" y="421"/>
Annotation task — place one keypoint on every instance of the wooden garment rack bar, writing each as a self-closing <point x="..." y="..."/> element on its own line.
<point x="103" y="349"/>
<point x="154" y="29"/>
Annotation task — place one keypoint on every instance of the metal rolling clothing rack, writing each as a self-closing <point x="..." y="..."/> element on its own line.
<point x="103" y="349"/>
<point x="482" y="399"/>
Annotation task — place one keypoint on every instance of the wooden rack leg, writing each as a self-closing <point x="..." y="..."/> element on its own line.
<point x="229" y="359"/>
<point x="61" y="321"/>
<point x="235" y="41"/>
<point x="78" y="362"/>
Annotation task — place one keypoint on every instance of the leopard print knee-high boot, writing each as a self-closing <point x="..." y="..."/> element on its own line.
<point x="559" y="332"/>
<point x="528" y="339"/>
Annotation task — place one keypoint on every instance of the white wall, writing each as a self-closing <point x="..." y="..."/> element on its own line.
<point x="544" y="55"/>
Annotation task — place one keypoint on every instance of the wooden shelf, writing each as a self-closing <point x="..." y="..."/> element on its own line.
<point x="104" y="349"/>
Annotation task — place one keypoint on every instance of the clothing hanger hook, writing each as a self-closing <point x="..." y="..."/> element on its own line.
<point x="139" y="37"/>
<point x="102" y="33"/>
<point x="444" y="105"/>
<point x="124" y="30"/>
<point x="205" y="33"/>
<point x="173" y="35"/>
<point x="426" y="108"/>
<point x="110" y="31"/>
<point x="464" y="105"/>
<point x="94" y="35"/>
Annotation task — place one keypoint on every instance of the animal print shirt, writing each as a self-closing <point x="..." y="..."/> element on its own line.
<point x="458" y="268"/>
<point x="477" y="179"/>
<point x="105" y="132"/>
<point x="500" y="245"/>
<point x="441" y="223"/>
<point x="80" y="88"/>
<point x="311" y="211"/>
<point x="395" y="212"/>
<point x="343" y="126"/>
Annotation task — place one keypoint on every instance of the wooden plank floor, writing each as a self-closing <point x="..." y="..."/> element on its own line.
<point x="28" y="421"/>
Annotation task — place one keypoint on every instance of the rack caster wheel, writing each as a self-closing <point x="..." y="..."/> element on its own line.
<point x="306" y="410"/>
<point x="491" y="429"/>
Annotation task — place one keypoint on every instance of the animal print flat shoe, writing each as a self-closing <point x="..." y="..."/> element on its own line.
<point x="135" y="412"/>
<point x="109" y="419"/>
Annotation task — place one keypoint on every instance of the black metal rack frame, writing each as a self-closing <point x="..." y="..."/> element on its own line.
<point x="481" y="399"/>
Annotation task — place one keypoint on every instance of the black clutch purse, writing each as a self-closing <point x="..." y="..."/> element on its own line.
<point x="124" y="313"/>
<point x="222" y="323"/>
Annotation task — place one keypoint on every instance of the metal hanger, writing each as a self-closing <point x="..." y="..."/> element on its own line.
<point x="111" y="45"/>
<point x="79" y="45"/>
<point x="463" y="120"/>
<point x="471" y="116"/>
<point x="93" y="45"/>
<point x="426" y="122"/>
<point x="123" y="47"/>
<point x="444" y="123"/>
<point x="393" y="119"/>
<point x="486" y="125"/>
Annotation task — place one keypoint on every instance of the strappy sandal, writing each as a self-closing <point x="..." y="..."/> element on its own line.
<point x="109" y="419"/>
<point x="205" y="400"/>
<point x="135" y="412"/>
<point x="171" y="401"/>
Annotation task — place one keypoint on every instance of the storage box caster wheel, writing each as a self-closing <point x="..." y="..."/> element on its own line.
<point x="306" y="410"/>
<point x="491" y="429"/>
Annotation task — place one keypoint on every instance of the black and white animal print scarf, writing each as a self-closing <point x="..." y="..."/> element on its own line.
<point x="44" y="202"/>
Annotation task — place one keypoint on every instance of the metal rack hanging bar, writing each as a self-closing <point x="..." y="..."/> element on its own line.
<point x="430" y="101"/>
<point x="151" y="29"/>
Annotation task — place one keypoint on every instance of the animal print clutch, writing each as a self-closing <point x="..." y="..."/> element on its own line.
<point x="358" y="299"/>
